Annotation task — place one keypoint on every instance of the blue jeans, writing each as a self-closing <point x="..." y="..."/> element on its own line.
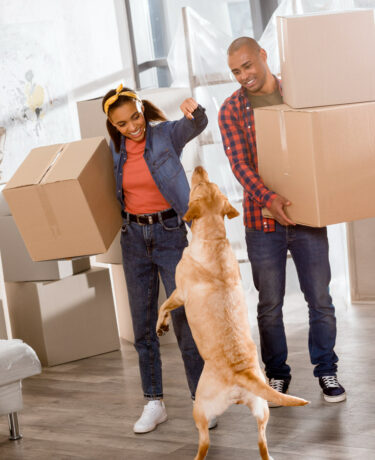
<point x="148" y="250"/>
<point x="267" y="254"/>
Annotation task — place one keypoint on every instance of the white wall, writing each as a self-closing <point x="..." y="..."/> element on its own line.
<point x="74" y="49"/>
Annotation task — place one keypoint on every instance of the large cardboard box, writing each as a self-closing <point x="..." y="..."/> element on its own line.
<point x="65" y="320"/>
<point x="322" y="160"/>
<point x="18" y="265"/>
<point x="327" y="59"/>
<point x="63" y="201"/>
<point x="124" y="319"/>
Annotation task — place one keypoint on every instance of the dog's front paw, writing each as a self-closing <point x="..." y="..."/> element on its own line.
<point x="162" y="326"/>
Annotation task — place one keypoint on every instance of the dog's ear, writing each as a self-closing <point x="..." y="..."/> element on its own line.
<point x="193" y="212"/>
<point x="229" y="210"/>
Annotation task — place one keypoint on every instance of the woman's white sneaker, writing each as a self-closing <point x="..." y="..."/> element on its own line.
<point x="153" y="413"/>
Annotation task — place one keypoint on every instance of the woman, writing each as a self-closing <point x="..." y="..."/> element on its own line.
<point x="153" y="190"/>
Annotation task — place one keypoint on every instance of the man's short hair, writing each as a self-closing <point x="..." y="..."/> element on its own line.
<point x="243" y="41"/>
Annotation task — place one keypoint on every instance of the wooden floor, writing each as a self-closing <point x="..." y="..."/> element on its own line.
<point x="86" y="409"/>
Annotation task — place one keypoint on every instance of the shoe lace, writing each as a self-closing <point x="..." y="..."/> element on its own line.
<point x="277" y="384"/>
<point x="330" y="381"/>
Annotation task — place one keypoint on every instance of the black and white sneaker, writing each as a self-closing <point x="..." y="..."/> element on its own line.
<point x="280" y="385"/>
<point x="332" y="390"/>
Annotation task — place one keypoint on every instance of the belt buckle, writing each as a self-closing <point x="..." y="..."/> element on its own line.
<point x="137" y="218"/>
<point x="149" y="218"/>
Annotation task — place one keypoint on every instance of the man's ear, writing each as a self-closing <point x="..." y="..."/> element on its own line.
<point x="193" y="212"/>
<point x="230" y="211"/>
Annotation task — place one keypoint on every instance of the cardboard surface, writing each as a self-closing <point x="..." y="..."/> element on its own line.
<point x="65" y="320"/>
<point x="361" y="258"/>
<point x="327" y="59"/>
<point x="124" y="319"/>
<point x="18" y="265"/>
<point x="322" y="160"/>
<point x="114" y="253"/>
<point x="63" y="201"/>
<point x="4" y="208"/>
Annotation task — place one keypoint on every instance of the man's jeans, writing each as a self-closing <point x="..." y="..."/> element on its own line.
<point x="148" y="250"/>
<point x="267" y="254"/>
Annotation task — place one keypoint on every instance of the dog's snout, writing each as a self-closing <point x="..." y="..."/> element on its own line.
<point x="199" y="170"/>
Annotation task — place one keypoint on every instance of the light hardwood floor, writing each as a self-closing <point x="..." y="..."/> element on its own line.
<point x="86" y="409"/>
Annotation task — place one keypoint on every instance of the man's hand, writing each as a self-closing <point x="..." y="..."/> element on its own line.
<point x="277" y="210"/>
<point x="188" y="107"/>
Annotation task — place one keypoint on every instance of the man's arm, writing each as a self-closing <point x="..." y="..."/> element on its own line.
<point x="237" y="150"/>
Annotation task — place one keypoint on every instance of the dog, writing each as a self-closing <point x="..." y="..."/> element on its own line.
<point x="208" y="283"/>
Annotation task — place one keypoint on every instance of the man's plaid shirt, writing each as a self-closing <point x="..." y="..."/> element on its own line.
<point x="236" y="122"/>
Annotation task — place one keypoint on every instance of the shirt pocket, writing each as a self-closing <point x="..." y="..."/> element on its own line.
<point x="167" y="164"/>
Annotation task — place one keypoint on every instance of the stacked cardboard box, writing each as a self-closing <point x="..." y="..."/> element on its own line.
<point x="63" y="205"/>
<point x="318" y="154"/>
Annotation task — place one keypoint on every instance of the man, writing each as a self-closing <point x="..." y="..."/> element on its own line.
<point x="268" y="240"/>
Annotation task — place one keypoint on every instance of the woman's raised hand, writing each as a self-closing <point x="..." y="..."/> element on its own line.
<point x="188" y="107"/>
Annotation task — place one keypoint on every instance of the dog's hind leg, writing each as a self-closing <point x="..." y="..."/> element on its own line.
<point x="201" y="422"/>
<point x="211" y="400"/>
<point x="173" y="301"/>
<point x="259" y="408"/>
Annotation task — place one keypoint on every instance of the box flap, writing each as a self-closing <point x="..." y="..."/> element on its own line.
<point x="73" y="160"/>
<point x="34" y="166"/>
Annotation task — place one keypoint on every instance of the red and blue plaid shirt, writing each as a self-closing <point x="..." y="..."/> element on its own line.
<point x="236" y="122"/>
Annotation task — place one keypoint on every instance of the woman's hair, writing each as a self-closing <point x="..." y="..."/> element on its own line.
<point x="151" y="113"/>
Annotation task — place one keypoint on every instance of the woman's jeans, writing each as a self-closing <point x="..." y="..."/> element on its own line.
<point x="267" y="254"/>
<point x="148" y="250"/>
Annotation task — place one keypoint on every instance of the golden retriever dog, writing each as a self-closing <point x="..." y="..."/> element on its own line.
<point x="208" y="283"/>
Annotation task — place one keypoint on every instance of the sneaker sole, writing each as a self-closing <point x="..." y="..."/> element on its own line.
<point x="334" y="399"/>
<point x="273" y="405"/>
<point x="151" y="429"/>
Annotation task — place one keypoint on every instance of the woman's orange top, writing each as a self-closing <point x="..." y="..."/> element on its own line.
<point x="142" y="195"/>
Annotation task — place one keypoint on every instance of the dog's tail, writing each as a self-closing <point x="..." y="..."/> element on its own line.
<point x="256" y="385"/>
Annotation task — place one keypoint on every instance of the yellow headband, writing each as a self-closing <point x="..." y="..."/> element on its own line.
<point x="114" y="98"/>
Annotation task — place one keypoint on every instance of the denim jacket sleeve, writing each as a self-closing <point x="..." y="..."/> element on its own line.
<point x="182" y="131"/>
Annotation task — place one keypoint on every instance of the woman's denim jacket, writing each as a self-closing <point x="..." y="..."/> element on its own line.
<point x="164" y="144"/>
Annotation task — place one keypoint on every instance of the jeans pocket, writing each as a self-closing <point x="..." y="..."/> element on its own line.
<point x="173" y="223"/>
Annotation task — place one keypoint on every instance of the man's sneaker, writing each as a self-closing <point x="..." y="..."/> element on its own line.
<point x="332" y="390"/>
<point x="153" y="413"/>
<point x="280" y="385"/>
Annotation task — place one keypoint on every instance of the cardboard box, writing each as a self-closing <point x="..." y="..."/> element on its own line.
<point x="92" y="122"/>
<point x="322" y="160"/>
<point x="361" y="260"/>
<point x="63" y="201"/>
<point x="4" y="208"/>
<point x="327" y="59"/>
<point x="65" y="320"/>
<point x="114" y="253"/>
<point x="18" y="266"/>
<point x="5" y="329"/>
<point x="124" y="319"/>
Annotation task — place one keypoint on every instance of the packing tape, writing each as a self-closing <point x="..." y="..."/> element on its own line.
<point x="52" y="163"/>
<point x="48" y="212"/>
<point x="285" y="163"/>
